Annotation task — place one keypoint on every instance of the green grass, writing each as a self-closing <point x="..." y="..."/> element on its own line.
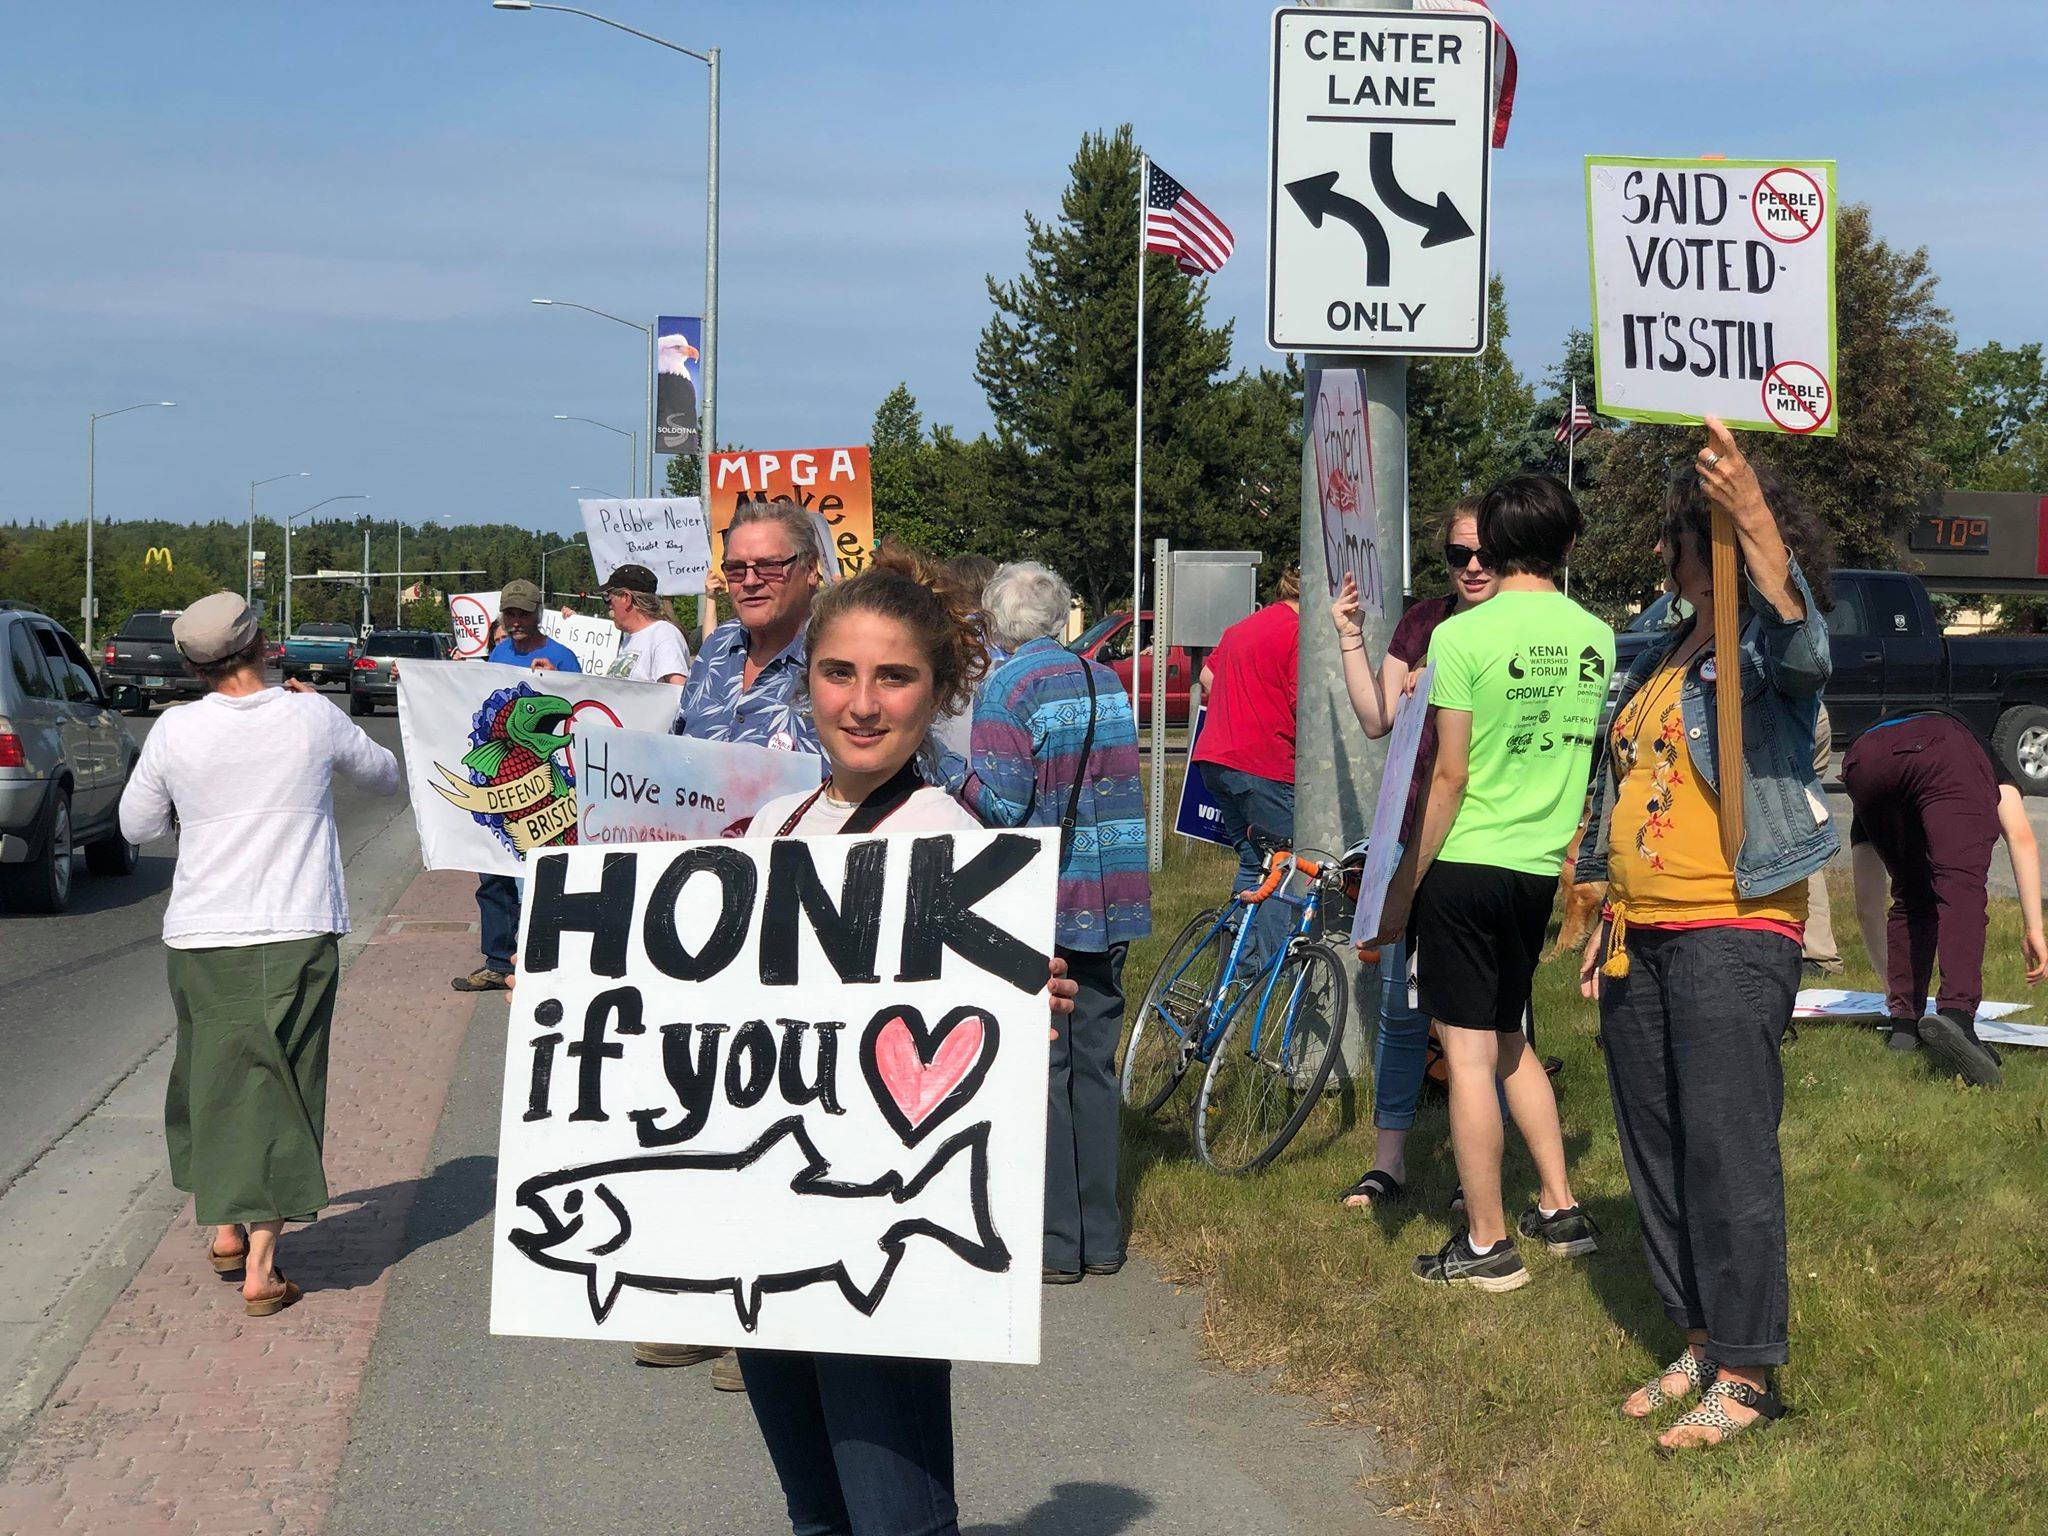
<point x="1918" y="1216"/>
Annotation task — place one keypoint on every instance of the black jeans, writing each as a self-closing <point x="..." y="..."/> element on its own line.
<point x="1692" y="1035"/>
<point x="497" y="910"/>
<point x="863" y="1444"/>
<point x="1082" y="1223"/>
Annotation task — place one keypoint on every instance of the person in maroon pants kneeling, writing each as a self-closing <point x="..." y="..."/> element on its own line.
<point x="1930" y="801"/>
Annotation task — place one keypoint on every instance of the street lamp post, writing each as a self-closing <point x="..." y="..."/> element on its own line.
<point x="91" y="457"/>
<point x="647" y="331"/>
<point x="632" y="439"/>
<point x="351" y="496"/>
<point x="249" y="547"/>
<point x="572" y="544"/>
<point x="709" y="59"/>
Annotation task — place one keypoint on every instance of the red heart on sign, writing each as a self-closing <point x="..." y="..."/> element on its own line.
<point x="921" y="1075"/>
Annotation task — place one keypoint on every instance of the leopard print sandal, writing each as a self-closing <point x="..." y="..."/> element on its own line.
<point x="1711" y="1415"/>
<point x="1698" y="1373"/>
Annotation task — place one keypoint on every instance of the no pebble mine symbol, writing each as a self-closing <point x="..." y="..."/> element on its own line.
<point x="922" y="1075"/>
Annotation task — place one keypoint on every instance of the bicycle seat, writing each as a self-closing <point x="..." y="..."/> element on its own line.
<point x="1267" y="842"/>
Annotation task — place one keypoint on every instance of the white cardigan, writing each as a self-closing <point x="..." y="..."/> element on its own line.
<point x="249" y="781"/>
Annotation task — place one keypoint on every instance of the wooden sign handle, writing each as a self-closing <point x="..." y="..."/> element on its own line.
<point x="1728" y="683"/>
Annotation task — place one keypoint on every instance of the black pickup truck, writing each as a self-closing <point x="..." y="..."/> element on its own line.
<point x="1890" y="656"/>
<point x="142" y="654"/>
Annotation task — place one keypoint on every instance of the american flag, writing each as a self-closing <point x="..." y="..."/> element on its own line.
<point x="1178" y="224"/>
<point x="1503" y="64"/>
<point x="1575" y="424"/>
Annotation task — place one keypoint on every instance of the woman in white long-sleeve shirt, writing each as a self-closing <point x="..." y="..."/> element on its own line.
<point x="245" y="778"/>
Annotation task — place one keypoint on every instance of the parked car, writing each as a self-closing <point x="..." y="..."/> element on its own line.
<point x="1110" y="640"/>
<point x="373" y="680"/>
<point x="142" y="654"/>
<point x="320" y="653"/>
<point x="64" y="761"/>
<point x="1890" y="657"/>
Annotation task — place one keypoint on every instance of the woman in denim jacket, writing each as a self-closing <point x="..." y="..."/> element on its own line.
<point x="1701" y="960"/>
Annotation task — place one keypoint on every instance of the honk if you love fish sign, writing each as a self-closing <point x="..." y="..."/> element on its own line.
<point x="781" y="1093"/>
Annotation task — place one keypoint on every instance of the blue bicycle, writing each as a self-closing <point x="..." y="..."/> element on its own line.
<point x="1269" y="1037"/>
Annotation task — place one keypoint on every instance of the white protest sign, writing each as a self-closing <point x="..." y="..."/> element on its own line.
<point x="1837" y="1003"/>
<point x="781" y="1092"/>
<point x="664" y="533"/>
<point x="643" y="787"/>
<point x="1376" y="198"/>
<point x="471" y="614"/>
<point x="1344" y="488"/>
<point x="1714" y="291"/>
<point x="594" y="641"/>
<point x="1383" y="850"/>
<point x="488" y="754"/>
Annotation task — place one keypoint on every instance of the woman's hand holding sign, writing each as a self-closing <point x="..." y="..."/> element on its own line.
<point x="1730" y="485"/>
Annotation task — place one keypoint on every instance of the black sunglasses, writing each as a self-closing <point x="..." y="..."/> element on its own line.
<point x="1458" y="556"/>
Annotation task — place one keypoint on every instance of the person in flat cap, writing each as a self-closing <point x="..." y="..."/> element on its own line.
<point x="497" y="896"/>
<point x="244" y="777"/>
<point x="653" y="649"/>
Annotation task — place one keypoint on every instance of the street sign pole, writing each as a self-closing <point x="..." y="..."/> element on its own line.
<point x="1376" y="222"/>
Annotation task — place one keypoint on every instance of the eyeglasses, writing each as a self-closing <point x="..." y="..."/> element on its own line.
<point x="772" y="572"/>
<point x="1458" y="556"/>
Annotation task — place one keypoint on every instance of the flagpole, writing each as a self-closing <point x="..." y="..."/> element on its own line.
<point x="1138" y="453"/>
<point x="1571" y="435"/>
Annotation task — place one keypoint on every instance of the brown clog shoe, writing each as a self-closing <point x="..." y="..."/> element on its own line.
<point x="265" y="1306"/>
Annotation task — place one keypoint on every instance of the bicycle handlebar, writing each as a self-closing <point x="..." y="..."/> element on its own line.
<point x="1278" y="863"/>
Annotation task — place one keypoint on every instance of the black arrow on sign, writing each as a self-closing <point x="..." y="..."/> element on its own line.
<point x="1440" y="222"/>
<point x="1320" y="199"/>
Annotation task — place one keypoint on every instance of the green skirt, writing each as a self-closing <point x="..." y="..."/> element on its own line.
<point x="246" y="1110"/>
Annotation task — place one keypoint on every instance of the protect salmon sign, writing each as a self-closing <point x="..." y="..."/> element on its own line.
<point x="1714" y="291"/>
<point x="786" y="1093"/>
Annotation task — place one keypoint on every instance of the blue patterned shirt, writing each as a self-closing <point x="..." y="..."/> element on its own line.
<point x="718" y="706"/>
<point x="1030" y="720"/>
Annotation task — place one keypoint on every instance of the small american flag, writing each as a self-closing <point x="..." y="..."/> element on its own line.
<point x="1177" y="224"/>
<point x="1576" y="423"/>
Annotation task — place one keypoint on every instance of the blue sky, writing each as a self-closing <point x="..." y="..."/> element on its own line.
<point x="317" y="227"/>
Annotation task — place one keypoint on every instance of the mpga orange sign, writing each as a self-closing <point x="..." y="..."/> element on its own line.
<point x="831" y="483"/>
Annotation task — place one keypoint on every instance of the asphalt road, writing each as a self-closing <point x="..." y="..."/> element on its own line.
<point x="82" y="998"/>
<point x="85" y="1026"/>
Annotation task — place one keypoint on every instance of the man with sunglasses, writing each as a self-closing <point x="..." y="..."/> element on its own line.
<point x="744" y="686"/>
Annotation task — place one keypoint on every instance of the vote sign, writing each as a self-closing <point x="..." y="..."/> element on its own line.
<point x="1376" y="198"/>
<point x="1714" y="291"/>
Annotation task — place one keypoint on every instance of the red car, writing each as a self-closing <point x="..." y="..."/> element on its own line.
<point x="1109" y="641"/>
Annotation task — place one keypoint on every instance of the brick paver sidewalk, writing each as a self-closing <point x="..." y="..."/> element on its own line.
<point x="182" y="1414"/>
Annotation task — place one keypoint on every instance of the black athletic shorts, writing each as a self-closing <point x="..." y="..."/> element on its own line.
<point x="1478" y="933"/>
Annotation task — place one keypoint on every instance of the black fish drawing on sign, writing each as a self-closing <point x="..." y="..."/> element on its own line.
<point x="645" y="1221"/>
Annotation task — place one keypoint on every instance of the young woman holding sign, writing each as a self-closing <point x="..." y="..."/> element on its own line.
<point x="861" y="1443"/>
<point x="1701" y="951"/>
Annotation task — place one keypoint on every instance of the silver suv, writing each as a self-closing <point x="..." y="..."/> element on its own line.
<point x="64" y="760"/>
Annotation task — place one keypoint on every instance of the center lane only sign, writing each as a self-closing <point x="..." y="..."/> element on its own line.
<point x="1376" y="198"/>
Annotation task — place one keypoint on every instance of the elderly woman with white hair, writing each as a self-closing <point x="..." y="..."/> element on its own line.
<point x="1055" y="745"/>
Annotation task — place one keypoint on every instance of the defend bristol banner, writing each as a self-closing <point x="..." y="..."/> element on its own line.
<point x="832" y="483"/>
<point x="679" y="348"/>
<point x="786" y="1093"/>
<point x="488" y="756"/>
<point x="1714" y="291"/>
<point x="643" y="787"/>
<point x="663" y="533"/>
<point x="1344" y="488"/>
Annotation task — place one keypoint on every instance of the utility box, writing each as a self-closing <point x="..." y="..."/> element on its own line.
<point x="1212" y="590"/>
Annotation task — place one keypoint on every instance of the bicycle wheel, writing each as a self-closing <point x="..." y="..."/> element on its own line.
<point x="1252" y="1105"/>
<point x="1169" y="1023"/>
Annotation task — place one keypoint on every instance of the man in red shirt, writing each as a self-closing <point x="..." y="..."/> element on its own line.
<point x="1246" y="754"/>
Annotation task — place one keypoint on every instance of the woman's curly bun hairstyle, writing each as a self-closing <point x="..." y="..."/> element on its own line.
<point x="918" y="592"/>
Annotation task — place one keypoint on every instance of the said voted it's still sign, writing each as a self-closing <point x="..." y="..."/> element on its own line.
<point x="788" y="1093"/>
